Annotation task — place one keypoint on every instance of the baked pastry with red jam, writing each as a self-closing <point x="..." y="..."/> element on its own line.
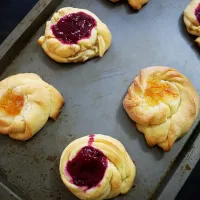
<point x="97" y="167"/>
<point x="192" y="19"/>
<point x="75" y="35"/>
<point x="136" y="4"/>
<point x="163" y="103"/>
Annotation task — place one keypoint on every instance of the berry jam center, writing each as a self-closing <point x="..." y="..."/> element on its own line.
<point x="12" y="103"/>
<point x="74" y="27"/>
<point x="88" y="167"/>
<point x="197" y="13"/>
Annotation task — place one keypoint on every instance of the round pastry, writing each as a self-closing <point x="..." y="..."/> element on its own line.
<point x="26" y="103"/>
<point x="136" y="4"/>
<point x="192" y="19"/>
<point x="75" y="35"/>
<point x="97" y="167"/>
<point x="164" y="105"/>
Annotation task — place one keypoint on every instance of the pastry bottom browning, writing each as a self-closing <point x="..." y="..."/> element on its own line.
<point x="116" y="171"/>
<point x="136" y="4"/>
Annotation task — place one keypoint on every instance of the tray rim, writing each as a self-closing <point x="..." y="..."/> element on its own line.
<point x="21" y="34"/>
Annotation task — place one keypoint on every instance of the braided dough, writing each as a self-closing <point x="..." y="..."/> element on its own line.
<point x="136" y="4"/>
<point x="191" y="21"/>
<point x="119" y="175"/>
<point x="164" y="105"/>
<point x="26" y="103"/>
<point x="96" y="45"/>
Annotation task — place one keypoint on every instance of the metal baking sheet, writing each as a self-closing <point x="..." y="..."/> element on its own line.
<point x="93" y="93"/>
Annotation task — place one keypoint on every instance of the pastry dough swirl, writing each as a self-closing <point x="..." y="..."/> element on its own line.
<point x="26" y="103"/>
<point x="164" y="105"/>
<point x="96" y="45"/>
<point x="119" y="174"/>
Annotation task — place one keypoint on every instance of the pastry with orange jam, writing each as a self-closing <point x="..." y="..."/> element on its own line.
<point x="26" y="103"/>
<point x="164" y="105"/>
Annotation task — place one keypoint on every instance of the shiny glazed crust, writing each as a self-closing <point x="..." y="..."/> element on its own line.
<point x="119" y="175"/>
<point x="170" y="119"/>
<point x="41" y="101"/>
<point x="190" y="20"/>
<point x="136" y="4"/>
<point x="96" y="45"/>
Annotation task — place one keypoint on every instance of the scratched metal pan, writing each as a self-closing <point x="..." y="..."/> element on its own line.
<point x="93" y="93"/>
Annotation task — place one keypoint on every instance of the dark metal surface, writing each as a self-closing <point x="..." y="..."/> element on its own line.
<point x="12" y="13"/>
<point x="94" y="91"/>
<point x="8" y="191"/>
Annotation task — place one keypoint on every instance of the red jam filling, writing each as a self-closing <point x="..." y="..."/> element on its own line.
<point x="74" y="27"/>
<point x="197" y="13"/>
<point x="91" y="139"/>
<point x="88" y="167"/>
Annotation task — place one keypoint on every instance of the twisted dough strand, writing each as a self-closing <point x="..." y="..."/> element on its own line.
<point x="118" y="177"/>
<point x="164" y="105"/>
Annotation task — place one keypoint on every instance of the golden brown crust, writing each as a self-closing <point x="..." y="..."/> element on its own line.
<point x="164" y="105"/>
<point x="41" y="101"/>
<point x="136" y="4"/>
<point x="98" y="43"/>
<point x="57" y="102"/>
<point x="190" y="20"/>
<point x="119" y="175"/>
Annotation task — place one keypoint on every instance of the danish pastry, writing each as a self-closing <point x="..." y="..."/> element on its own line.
<point x="26" y="103"/>
<point x="97" y="167"/>
<point x="164" y="105"/>
<point x="75" y="35"/>
<point x="136" y="4"/>
<point x="192" y="19"/>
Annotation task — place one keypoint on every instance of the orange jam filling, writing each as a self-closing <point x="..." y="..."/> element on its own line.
<point x="11" y="103"/>
<point x="157" y="90"/>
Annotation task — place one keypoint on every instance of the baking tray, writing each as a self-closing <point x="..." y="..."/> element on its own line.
<point x="93" y="93"/>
